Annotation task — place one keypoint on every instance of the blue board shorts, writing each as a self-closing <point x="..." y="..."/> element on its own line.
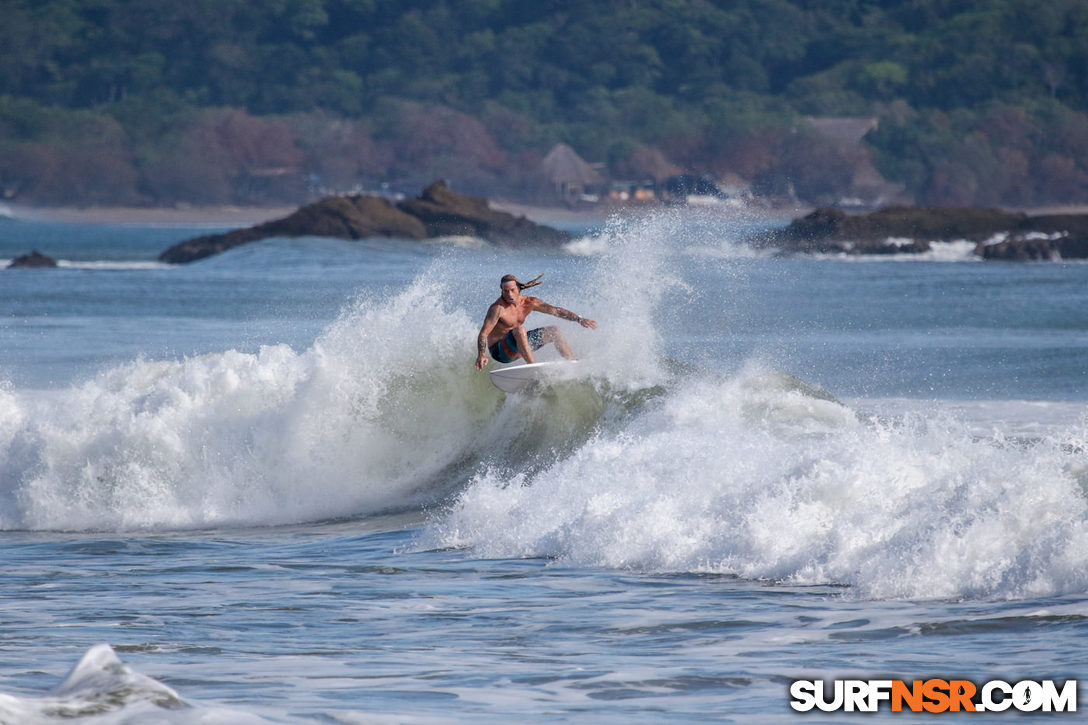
<point x="506" y="349"/>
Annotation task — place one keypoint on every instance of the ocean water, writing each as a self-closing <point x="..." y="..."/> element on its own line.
<point x="270" y="487"/>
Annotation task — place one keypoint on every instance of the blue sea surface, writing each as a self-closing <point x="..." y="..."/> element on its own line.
<point x="269" y="486"/>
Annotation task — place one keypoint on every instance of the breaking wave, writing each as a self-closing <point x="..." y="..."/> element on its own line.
<point x="645" y="464"/>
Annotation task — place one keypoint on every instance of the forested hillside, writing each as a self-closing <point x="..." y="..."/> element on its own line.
<point x="206" y="101"/>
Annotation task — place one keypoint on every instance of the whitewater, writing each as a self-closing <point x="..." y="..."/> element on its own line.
<point x="270" y="486"/>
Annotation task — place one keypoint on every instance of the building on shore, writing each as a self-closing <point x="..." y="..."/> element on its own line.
<point x="569" y="178"/>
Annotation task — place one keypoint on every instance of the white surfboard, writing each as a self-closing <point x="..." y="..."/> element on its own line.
<point x="513" y="378"/>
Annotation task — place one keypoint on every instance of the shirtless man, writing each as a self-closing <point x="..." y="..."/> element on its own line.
<point x="503" y="333"/>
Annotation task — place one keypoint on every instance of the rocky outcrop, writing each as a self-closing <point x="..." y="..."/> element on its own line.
<point x="898" y="230"/>
<point x="1036" y="247"/>
<point x="437" y="212"/>
<point x="34" y="259"/>
<point x="890" y="230"/>
<point x="1041" y="238"/>
<point x="446" y="213"/>
<point x="342" y="217"/>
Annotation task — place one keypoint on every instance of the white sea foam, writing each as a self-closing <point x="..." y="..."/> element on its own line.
<point x="756" y="477"/>
<point x="730" y="249"/>
<point x="955" y="251"/>
<point x="712" y="233"/>
<point x="587" y="246"/>
<point x="627" y="348"/>
<point x="464" y="241"/>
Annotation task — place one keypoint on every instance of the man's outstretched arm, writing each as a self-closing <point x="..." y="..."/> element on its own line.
<point x="564" y="314"/>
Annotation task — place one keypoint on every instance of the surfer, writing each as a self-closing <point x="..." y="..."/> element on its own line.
<point x="503" y="333"/>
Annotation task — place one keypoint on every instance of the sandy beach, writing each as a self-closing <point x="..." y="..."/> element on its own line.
<point x="153" y="216"/>
<point x="250" y="215"/>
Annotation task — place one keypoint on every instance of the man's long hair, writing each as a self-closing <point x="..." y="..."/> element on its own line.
<point x="521" y="285"/>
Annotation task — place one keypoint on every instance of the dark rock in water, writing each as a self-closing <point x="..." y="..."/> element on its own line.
<point x="1017" y="249"/>
<point x="937" y="224"/>
<point x="1046" y="237"/>
<point x="1068" y="224"/>
<point x="890" y="230"/>
<point x="34" y="259"/>
<point x="437" y="212"/>
<point x="1036" y="247"/>
<point x="897" y="230"/>
<point x="349" y="217"/>
<point x="1074" y="246"/>
<point x="342" y="217"/>
<point x="446" y="213"/>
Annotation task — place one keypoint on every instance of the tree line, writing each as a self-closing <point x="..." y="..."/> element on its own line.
<point x="155" y="102"/>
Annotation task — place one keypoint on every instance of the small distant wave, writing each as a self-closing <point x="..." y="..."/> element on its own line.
<point x="1031" y="236"/>
<point x="114" y="265"/>
<point x="105" y="264"/>
<point x="955" y="251"/>
<point x="102" y="688"/>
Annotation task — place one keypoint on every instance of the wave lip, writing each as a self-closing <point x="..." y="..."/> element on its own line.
<point x="358" y="424"/>
<point x="383" y="413"/>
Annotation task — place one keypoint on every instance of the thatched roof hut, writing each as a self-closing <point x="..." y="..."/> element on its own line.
<point x="568" y="174"/>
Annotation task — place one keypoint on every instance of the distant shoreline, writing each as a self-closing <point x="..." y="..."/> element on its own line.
<point x="169" y="216"/>
<point x="231" y="216"/>
<point x="236" y="215"/>
<point x="227" y="215"/>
